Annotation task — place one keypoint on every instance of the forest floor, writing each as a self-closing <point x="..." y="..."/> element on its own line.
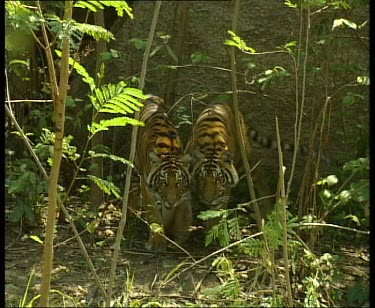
<point x="144" y="277"/>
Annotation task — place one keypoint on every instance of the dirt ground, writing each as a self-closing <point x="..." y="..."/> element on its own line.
<point x="151" y="272"/>
<point x="263" y="25"/>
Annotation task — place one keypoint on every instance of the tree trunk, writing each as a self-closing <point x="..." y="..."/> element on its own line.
<point x="181" y="19"/>
<point x="58" y="96"/>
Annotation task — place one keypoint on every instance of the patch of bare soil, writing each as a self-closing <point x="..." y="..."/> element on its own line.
<point x="171" y="278"/>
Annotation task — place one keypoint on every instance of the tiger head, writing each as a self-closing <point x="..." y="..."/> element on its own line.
<point x="214" y="178"/>
<point x="169" y="179"/>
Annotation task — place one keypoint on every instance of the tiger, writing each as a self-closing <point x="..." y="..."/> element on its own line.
<point x="216" y="157"/>
<point x="164" y="178"/>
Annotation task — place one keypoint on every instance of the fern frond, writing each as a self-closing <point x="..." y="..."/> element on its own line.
<point x="97" y="32"/>
<point x="108" y="187"/>
<point x="210" y="214"/>
<point x="80" y="70"/>
<point x="234" y="228"/>
<point x="111" y="157"/>
<point x="211" y="235"/>
<point x="116" y="98"/>
<point x="120" y="6"/>
<point x="90" y="5"/>
<point x="95" y="127"/>
<point x="252" y="247"/>
<point x="105" y="124"/>
<point x="223" y="234"/>
<point x="120" y="121"/>
<point x="20" y="17"/>
<point x="117" y="105"/>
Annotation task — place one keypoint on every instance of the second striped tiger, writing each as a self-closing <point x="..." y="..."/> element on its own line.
<point x="216" y="157"/>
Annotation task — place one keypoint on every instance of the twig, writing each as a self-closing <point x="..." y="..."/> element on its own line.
<point x="131" y="159"/>
<point x="30" y="101"/>
<point x="283" y="200"/>
<point x="237" y="120"/>
<point x="333" y="226"/>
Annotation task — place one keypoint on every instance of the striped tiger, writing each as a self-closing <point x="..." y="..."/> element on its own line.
<point x="163" y="175"/>
<point x="216" y="158"/>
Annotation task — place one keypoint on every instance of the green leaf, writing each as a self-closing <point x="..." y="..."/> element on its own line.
<point x="106" y="186"/>
<point x="92" y="226"/>
<point x="95" y="128"/>
<point x="80" y="70"/>
<point x="353" y="218"/>
<point x="117" y="99"/>
<point x="290" y="4"/>
<point x="138" y="43"/>
<point x="198" y="57"/>
<point x="332" y="180"/>
<point x="344" y="196"/>
<point x="156" y="228"/>
<point x="349" y="99"/>
<point x="210" y="214"/>
<point x="105" y="56"/>
<point x="290" y="46"/>
<point x="230" y="43"/>
<point x="172" y="54"/>
<point x="341" y="22"/>
<point x="92" y="5"/>
<point x="36" y="239"/>
<point x="359" y="294"/>
<point x="360" y="190"/>
<point x="111" y="157"/>
<point x="156" y="49"/>
<point x="120" y="121"/>
<point x="236" y="41"/>
<point x="363" y="80"/>
<point x="326" y="194"/>
<point x="85" y="5"/>
<point x="357" y="165"/>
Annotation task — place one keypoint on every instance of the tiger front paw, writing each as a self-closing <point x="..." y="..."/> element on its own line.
<point x="156" y="242"/>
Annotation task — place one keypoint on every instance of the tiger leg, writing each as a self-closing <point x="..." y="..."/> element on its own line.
<point x="178" y="223"/>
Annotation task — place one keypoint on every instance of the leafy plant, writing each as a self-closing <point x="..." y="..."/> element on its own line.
<point x="159" y="48"/>
<point x="358" y="294"/>
<point x="25" y="187"/>
<point x="230" y="286"/>
<point x="269" y="76"/>
<point x="350" y="200"/>
<point x="319" y="278"/>
<point x="222" y="225"/>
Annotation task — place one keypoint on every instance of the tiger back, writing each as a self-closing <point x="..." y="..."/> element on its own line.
<point x="164" y="179"/>
<point x="216" y="157"/>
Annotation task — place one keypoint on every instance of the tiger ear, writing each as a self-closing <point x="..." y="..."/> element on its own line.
<point x="227" y="157"/>
<point x="154" y="158"/>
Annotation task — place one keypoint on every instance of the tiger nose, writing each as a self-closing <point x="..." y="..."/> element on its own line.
<point x="169" y="204"/>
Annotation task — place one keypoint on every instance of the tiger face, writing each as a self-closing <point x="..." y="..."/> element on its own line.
<point x="169" y="179"/>
<point x="214" y="178"/>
